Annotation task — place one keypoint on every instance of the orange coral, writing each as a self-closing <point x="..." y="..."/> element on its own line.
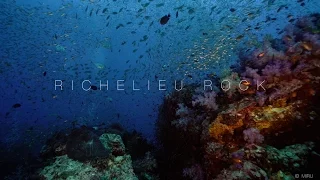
<point x="268" y="118"/>
<point x="272" y="118"/>
<point x="219" y="129"/>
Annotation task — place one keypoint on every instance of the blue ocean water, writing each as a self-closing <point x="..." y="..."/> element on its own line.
<point x="80" y="44"/>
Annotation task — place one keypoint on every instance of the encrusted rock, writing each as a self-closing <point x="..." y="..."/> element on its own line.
<point x="114" y="143"/>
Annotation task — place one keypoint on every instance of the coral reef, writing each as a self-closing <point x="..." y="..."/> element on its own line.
<point x="208" y="100"/>
<point x="248" y="160"/>
<point x="253" y="136"/>
<point x="263" y="127"/>
<point x="113" y="167"/>
<point x="92" y="153"/>
<point x="120" y="167"/>
<point x="178" y="148"/>
<point x="85" y="145"/>
<point x="63" y="167"/>
<point x="66" y="168"/>
<point x="114" y="143"/>
<point x="281" y="86"/>
<point x="81" y="144"/>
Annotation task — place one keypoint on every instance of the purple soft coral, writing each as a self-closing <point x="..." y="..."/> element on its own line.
<point x="208" y="100"/>
<point x="182" y="110"/>
<point x="277" y="68"/>
<point x="252" y="136"/>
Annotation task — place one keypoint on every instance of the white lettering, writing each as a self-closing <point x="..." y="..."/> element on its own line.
<point x="247" y="87"/>
<point x="133" y="88"/>
<point x="83" y="84"/>
<point x="55" y="84"/>
<point x="260" y="85"/>
<point x="181" y="85"/>
<point x="223" y="86"/>
<point x="205" y="85"/>
<point x="105" y="85"/>
<point x="162" y="85"/>
<point x="120" y="85"/>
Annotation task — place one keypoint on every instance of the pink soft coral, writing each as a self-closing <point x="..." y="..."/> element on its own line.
<point x="252" y="75"/>
<point x="208" y="100"/>
<point x="253" y="136"/>
<point x="182" y="110"/>
<point x="261" y="57"/>
<point x="278" y="68"/>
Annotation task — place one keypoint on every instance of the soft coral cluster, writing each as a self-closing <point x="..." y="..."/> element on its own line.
<point x="184" y="114"/>
<point x="243" y="137"/>
<point x="208" y="99"/>
<point x="291" y="76"/>
<point x="253" y="136"/>
<point x="284" y="73"/>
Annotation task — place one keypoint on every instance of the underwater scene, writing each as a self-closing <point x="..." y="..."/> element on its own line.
<point x="159" y="89"/>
